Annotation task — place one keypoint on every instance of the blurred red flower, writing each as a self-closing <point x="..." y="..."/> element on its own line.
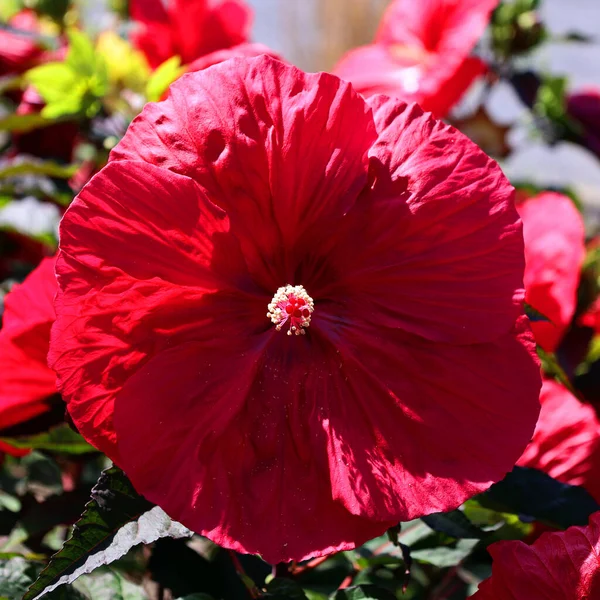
<point x="554" y="252"/>
<point x="584" y="107"/>
<point x="239" y="51"/>
<point x="566" y="442"/>
<point x="563" y="565"/>
<point x="421" y="52"/>
<point x="188" y="28"/>
<point x="592" y="316"/>
<point x="26" y="381"/>
<point x="385" y="236"/>
<point x="20" y="49"/>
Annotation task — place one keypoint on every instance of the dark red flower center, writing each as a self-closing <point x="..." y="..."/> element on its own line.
<point x="291" y="304"/>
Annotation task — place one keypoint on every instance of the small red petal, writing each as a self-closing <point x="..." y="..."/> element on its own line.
<point x="563" y="565"/>
<point x="554" y="251"/>
<point x="26" y="381"/>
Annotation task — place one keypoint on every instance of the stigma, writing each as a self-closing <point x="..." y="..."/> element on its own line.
<point x="293" y="306"/>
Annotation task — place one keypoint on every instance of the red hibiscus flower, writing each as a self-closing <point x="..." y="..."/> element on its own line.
<point x="563" y="565"/>
<point x="188" y="28"/>
<point x="592" y="317"/>
<point x="421" y="52"/>
<point x="19" y="49"/>
<point x="26" y="382"/>
<point x="554" y="252"/>
<point x="566" y="442"/>
<point x="584" y="107"/>
<point x="259" y="201"/>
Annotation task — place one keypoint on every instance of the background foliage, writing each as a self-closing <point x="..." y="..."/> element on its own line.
<point x="71" y="525"/>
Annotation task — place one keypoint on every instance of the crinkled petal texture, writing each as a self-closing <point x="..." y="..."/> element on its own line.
<point x="26" y="381"/>
<point x="554" y="252"/>
<point x="421" y="53"/>
<point x="189" y="29"/>
<point x="566" y="442"/>
<point x="415" y="385"/>
<point x="558" y="566"/>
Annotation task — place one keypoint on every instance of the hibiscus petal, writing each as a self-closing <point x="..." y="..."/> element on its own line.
<point x="243" y="432"/>
<point x="421" y="53"/>
<point x="566" y="442"/>
<point x="30" y="305"/>
<point x="436" y="82"/>
<point x="373" y="69"/>
<point x="25" y="379"/>
<point x="283" y="152"/>
<point x="148" y="11"/>
<point x="153" y="34"/>
<point x="558" y="566"/>
<point x="25" y="384"/>
<point x="443" y="26"/>
<point x="162" y="257"/>
<point x="149" y="222"/>
<point x="554" y="251"/>
<point x="241" y="460"/>
<point x="202" y="27"/>
<point x="448" y="261"/>
<point x="404" y="427"/>
<point x="446" y="82"/>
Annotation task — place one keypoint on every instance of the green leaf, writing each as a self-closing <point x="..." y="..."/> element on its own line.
<point x="312" y="595"/>
<point x="364" y="592"/>
<point x="108" y="585"/>
<point x="9" y="8"/>
<point x="55" y="9"/>
<point x="55" y="82"/>
<point x="73" y="87"/>
<point x="455" y="524"/>
<point x="113" y="522"/>
<point x="31" y="166"/>
<point x="552" y="368"/>
<point x="445" y="556"/>
<point x="30" y="556"/>
<point x="32" y="218"/>
<point x="81" y="56"/>
<point x="538" y="496"/>
<point x="284" y="589"/>
<point x="16" y="574"/>
<point x="551" y="104"/>
<point x="534" y="315"/>
<point x="40" y="186"/>
<point x="10" y="82"/>
<point x="60" y="440"/>
<point x="23" y="123"/>
<point x="9" y="503"/>
<point x="498" y="525"/>
<point x="163" y="77"/>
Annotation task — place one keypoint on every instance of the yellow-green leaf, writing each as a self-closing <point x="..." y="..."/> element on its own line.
<point x="163" y="77"/>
